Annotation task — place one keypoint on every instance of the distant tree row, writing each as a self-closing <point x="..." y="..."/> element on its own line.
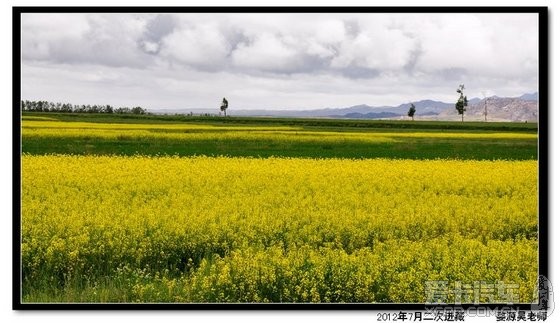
<point x="45" y="106"/>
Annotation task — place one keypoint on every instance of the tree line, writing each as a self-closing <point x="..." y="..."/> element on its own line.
<point x="45" y="106"/>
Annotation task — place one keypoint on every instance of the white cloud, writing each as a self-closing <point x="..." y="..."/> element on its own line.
<point x="375" y="49"/>
<point x="299" y="60"/>
<point x="269" y="53"/>
<point x="105" y="39"/>
<point x="484" y="44"/>
<point x="41" y="32"/>
<point x="202" y="45"/>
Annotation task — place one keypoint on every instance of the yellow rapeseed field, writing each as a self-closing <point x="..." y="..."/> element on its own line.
<point x="50" y="129"/>
<point x="201" y="229"/>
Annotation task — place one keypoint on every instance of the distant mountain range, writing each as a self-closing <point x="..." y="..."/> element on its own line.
<point x="530" y="96"/>
<point x="520" y="109"/>
<point x="523" y="108"/>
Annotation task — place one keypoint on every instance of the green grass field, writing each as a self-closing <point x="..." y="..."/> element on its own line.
<point x="49" y="133"/>
<point x="341" y="124"/>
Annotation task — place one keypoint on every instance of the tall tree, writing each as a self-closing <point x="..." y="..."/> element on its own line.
<point x="224" y="106"/>
<point x="412" y="111"/>
<point x="462" y="102"/>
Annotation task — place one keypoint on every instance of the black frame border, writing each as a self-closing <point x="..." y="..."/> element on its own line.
<point x="543" y="155"/>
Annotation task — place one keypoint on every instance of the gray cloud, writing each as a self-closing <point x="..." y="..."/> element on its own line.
<point x="414" y="55"/>
<point x="359" y="58"/>
<point x="155" y="31"/>
<point x="83" y="39"/>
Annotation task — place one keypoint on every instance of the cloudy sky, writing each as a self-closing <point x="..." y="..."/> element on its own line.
<point x="275" y="61"/>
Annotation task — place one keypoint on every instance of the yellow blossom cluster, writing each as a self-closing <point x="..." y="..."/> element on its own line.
<point x="222" y="229"/>
<point x="184" y="131"/>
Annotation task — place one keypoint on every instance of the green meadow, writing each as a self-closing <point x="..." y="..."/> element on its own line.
<point x="86" y="134"/>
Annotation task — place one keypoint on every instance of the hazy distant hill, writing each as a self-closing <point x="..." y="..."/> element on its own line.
<point x="530" y="96"/>
<point x="369" y="115"/>
<point x="522" y="108"/>
<point x="424" y="107"/>
<point x="499" y="109"/>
